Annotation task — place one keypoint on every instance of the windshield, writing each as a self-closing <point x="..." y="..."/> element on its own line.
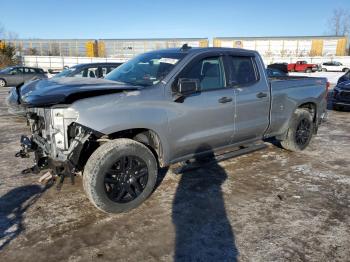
<point x="65" y="72"/>
<point x="147" y="69"/>
<point x="6" y="70"/>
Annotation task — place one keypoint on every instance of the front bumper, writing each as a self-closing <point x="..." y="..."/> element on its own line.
<point x="66" y="162"/>
<point x="42" y="161"/>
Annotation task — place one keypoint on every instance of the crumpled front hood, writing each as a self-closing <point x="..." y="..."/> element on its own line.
<point x="66" y="90"/>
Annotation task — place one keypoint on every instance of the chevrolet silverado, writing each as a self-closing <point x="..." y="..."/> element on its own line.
<point x="160" y="108"/>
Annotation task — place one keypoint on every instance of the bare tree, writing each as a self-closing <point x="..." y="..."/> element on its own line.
<point x="7" y="49"/>
<point x="54" y="49"/>
<point x="339" y="22"/>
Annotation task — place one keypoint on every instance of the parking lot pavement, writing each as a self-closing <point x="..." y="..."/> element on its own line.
<point x="270" y="205"/>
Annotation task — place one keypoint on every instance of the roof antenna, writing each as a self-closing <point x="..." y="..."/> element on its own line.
<point x="185" y="47"/>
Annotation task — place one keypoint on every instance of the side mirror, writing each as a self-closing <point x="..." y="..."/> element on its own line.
<point x="187" y="86"/>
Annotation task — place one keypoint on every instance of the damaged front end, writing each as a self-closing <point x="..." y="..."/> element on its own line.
<point x="57" y="141"/>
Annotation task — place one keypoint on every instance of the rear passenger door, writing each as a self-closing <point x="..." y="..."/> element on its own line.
<point x="252" y="98"/>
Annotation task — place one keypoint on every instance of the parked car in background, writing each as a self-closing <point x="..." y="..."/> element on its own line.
<point x="277" y="70"/>
<point x="280" y="66"/>
<point x="161" y="108"/>
<point x="302" y="66"/>
<point x="341" y="95"/>
<point x="92" y="70"/>
<point x="274" y="72"/>
<point x="16" y="75"/>
<point x="345" y="77"/>
<point x="335" y="67"/>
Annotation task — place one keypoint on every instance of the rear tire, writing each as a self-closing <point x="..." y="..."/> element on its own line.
<point x="346" y="70"/>
<point x="300" y="131"/>
<point x="120" y="175"/>
<point x="324" y="69"/>
<point x="338" y="107"/>
<point x="2" y="83"/>
<point x="308" y="70"/>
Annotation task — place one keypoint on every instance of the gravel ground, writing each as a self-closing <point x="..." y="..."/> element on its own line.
<point x="270" y="205"/>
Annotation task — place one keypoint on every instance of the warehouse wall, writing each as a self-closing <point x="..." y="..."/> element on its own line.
<point x="54" y="47"/>
<point x="125" y="48"/>
<point x="291" y="46"/>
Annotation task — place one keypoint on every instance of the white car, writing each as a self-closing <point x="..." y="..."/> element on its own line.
<point x="335" y="66"/>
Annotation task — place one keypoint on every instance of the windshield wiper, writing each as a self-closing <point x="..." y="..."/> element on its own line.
<point x="134" y="84"/>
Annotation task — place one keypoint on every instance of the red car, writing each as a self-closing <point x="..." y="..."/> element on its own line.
<point x="302" y="66"/>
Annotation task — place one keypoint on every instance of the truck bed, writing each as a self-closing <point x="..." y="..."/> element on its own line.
<point x="289" y="91"/>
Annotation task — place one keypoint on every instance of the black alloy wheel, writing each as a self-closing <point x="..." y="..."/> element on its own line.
<point x="303" y="132"/>
<point x="126" y="179"/>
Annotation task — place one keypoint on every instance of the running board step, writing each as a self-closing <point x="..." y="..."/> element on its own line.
<point x="191" y="165"/>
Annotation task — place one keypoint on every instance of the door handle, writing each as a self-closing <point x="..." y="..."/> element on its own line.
<point x="261" y="95"/>
<point x="225" y="99"/>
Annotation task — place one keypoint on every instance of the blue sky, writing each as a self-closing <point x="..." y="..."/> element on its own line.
<point x="158" y="19"/>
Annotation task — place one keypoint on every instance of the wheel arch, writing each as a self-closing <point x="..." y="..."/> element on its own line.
<point x="146" y="136"/>
<point x="312" y="108"/>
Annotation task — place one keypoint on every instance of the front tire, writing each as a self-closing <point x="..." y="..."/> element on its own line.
<point x="300" y="131"/>
<point x="324" y="69"/>
<point x="308" y="70"/>
<point x="2" y="83"/>
<point x="120" y="175"/>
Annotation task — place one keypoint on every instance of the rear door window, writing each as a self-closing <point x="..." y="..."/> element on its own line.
<point x="243" y="70"/>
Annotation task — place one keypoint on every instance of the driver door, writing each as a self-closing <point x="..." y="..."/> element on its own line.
<point x="15" y="77"/>
<point x="205" y="120"/>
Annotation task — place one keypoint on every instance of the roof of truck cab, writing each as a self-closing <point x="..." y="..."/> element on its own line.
<point x="193" y="50"/>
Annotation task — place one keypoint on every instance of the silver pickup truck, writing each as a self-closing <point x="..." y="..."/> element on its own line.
<point x="161" y="108"/>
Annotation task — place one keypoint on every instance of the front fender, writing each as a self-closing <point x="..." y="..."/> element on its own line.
<point x="118" y="112"/>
